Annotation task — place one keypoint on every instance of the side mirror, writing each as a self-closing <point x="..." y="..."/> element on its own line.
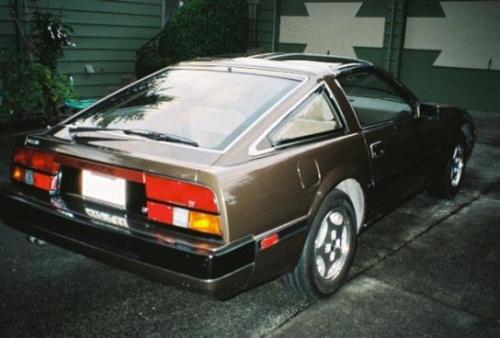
<point x="428" y="111"/>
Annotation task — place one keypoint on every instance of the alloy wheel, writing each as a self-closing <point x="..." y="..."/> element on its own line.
<point x="332" y="244"/>
<point x="457" y="166"/>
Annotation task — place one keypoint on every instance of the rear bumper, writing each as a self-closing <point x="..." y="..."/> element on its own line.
<point x="221" y="274"/>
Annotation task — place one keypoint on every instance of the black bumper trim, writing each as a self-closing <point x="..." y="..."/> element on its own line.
<point x="221" y="275"/>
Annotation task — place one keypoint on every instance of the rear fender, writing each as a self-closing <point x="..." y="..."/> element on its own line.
<point x="346" y="180"/>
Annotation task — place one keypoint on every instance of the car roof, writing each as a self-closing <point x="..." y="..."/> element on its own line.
<point x="291" y="63"/>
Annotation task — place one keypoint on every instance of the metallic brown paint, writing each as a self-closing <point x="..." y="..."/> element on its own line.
<point x="260" y="193"/>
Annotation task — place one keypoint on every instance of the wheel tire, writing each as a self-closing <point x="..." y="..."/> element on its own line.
<point x="336" y="238"/>
<point x="450" y="177"/>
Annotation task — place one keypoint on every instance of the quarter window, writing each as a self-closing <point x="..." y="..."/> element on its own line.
<point x="315" y="116"/>
<point x="374" y="99"/>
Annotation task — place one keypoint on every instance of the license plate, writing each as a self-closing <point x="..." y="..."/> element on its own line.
<point x="105" y="189"/>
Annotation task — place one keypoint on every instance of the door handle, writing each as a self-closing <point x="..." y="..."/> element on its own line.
<point x="376" y="149"/>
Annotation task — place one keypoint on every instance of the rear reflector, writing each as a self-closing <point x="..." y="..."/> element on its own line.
<point x="181" y="193"/>
<point x="269" y="241"/>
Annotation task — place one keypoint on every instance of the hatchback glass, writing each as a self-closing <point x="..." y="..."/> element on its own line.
<point x="209" y="107"/>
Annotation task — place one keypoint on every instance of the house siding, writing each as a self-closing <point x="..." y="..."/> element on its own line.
<point x="265" y="25"/>
<point x="456" y="62"/>
<point x="107" y="34"/>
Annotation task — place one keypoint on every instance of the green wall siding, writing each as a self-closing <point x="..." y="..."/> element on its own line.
<point x="476" y="89"/>
<point x="469" y="88"/>
<point x="265" y="23"/>
<point x="107" y="34"/>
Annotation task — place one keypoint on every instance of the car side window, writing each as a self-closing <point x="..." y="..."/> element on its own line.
<point x="374" y="99"/>
<point x="314" y="116"/>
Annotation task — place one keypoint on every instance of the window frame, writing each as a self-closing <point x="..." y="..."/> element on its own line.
<point x="254" y="149"/>
<point x="398" y="88"/>
<point x="291" y="117"/>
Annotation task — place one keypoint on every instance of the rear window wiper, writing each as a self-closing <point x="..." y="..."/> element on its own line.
<point x="153" y="135"/>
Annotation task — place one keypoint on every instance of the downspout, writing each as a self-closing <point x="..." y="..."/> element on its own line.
<point x="276" y="25"/>
<point x="394" y="35"/>
<point x="162" y="14"/>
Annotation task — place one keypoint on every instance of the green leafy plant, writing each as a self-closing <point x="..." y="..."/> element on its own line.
<point x="31" y="84"/>
<point x="149" y="59"/>
<point x="32" y="90"/>
<point x="199" y="28"/>
<point x="50" y="34"/>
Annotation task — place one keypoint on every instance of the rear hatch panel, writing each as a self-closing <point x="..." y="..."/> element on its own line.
<point x="121" y="158"/>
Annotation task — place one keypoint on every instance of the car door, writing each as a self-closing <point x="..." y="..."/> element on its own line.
<point x="391" y="132"/>
<point x="434" y="143"/>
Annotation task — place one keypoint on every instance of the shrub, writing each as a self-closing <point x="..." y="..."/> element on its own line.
<point x="32" y="90"/>
<point x="31" y="85"/>
<point x="201" y="28"/>
<point x="49" y="35"/>
<point x="149" y="60"/>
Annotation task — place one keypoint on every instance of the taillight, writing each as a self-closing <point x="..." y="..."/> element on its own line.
<point x="38" y="160"/>
<point x="204" y="222"/>
<point x="182" y="204"/>
<point x="36" y="168"/>
<point x="181" y="193"/>
<point x="169" y="201"/>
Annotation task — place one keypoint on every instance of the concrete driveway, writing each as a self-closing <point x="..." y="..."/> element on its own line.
<point x="430" y="268"/>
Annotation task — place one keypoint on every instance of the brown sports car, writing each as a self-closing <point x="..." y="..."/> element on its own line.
<point x="219" y="174"/>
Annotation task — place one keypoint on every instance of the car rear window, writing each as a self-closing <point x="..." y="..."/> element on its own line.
<point x="210" y="107"/>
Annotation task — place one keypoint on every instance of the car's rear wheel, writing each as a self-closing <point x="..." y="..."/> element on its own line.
<point x="449" y="180"/>
<point x="329" y="249"/>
